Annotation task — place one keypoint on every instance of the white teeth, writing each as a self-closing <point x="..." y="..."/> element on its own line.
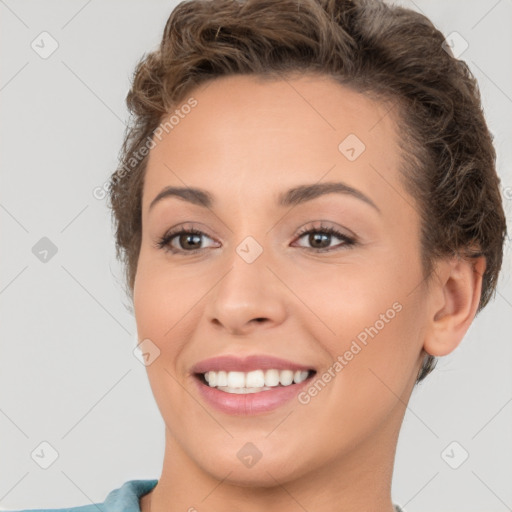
<point x="242" y="391"/>
<point x="222" y="379"/>
<point x="286" y="377"/>
<point x="272" y="378"/>
<point x="300" y="376"/>
<point x="254" y="381"/>
<point x="236" y="380"/>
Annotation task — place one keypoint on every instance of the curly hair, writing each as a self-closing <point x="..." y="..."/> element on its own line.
<point x="391" y="53"/>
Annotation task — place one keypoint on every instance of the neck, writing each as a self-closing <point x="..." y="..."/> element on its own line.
<point x="359" y="479"/>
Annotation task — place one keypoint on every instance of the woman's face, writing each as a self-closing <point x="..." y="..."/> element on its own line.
<point x="251" y="286"/>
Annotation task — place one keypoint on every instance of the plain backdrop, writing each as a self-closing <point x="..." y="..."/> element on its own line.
<point x="68" y="375"/>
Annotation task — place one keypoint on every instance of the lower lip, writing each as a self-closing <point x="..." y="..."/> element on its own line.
<point x="249" y="403"/>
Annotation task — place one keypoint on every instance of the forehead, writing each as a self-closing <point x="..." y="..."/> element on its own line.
<point x="244" y="132"/>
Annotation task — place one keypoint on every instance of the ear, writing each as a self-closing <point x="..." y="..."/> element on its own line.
<point x="453" y="302"/>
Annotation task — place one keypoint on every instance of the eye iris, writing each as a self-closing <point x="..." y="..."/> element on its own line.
<point x="184" y="240"/>
<point x="315" y="238"/>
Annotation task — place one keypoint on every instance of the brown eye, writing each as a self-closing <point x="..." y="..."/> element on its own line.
<point x="189" y="241"/>
<point x="321" y="238"/>
<point x="184" y="240"/>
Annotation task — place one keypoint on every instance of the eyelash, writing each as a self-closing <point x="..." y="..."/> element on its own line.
<point x="348" y="242"/>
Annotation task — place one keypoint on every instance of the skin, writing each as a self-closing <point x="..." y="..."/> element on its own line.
<point x="245" y="142"/>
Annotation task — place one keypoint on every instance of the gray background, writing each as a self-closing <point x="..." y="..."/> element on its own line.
<point x="67" y="372"/>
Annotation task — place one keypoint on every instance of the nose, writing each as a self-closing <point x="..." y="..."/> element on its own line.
<point x="248" y="296"/>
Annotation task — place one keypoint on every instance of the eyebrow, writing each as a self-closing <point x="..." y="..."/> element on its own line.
<point x="292" y="197"/>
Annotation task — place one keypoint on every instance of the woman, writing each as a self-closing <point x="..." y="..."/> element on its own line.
<point x="308" y="212"/>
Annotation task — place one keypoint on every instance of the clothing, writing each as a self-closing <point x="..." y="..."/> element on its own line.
<point x="124" y="499"/>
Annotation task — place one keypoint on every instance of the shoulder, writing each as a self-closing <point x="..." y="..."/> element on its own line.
<point x="125" y="498"/>
<point x="95" y="507"/>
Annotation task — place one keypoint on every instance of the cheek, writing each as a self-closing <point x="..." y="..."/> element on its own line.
<point x="372" y="365"/>
<point x="149" y="305"/>
<point x="157" y="312"/>
<point x="347" y="297"/>
<point x="160" y="296"/>
<point x="366" y="313"/>
<point x="167" y="307"/>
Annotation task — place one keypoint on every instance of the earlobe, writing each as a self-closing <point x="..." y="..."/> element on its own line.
<point x="454" y="300"/>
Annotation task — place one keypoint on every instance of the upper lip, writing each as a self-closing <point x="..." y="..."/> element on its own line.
<point x="233" y="363"/>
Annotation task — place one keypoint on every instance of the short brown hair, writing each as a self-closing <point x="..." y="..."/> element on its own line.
<point x="391" y="53"/>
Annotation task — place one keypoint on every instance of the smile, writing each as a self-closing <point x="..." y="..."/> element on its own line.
<point x="254" y="381"/>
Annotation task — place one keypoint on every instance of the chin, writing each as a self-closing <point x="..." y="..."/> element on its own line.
<point x="241" y="462"/>
<point x="262" y="475"/>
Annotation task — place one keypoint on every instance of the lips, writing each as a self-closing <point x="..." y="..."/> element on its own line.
<point x="231" y="363"/>
<point x="240" y="400"/>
